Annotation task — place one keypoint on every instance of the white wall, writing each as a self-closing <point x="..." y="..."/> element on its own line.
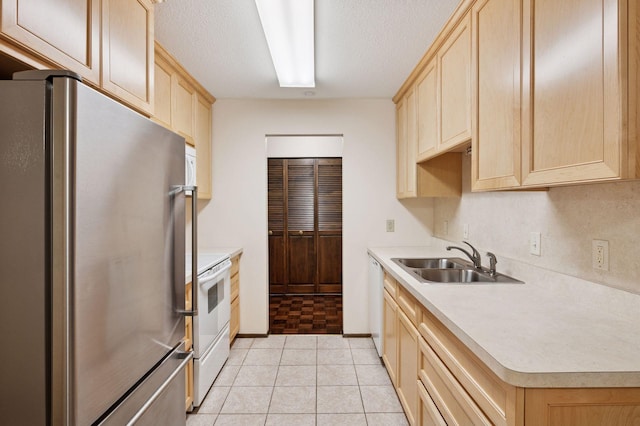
<point x="237" y="214"/>
<point x="568" y="218"/>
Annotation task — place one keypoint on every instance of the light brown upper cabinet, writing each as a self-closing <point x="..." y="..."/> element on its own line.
<point x="163" y="97"/>
<point x="407" y="148"/>
<point x="427" y="97"/>
<point x="437" y="177"/>
<point x="496" y="94"/>
<point x="184" y="110"/>
<point x="401" y="149"/>
<point x="454" y="72"/>
<point x="202" y="137"/>
<point x="109" y="43"/>
<point x="580" y="91"/>
<point x="66" y="32"/>
<point x="577" y="120"/>
<point x="184" y="106"/>
<point x="127" y="51"/>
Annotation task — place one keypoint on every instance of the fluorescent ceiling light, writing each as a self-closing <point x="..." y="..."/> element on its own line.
<point x="288" y="27"/>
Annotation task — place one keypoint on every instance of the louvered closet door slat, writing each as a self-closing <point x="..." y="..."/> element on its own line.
<point x="330" y="195"/>
<point x="276" y="194"/>
<point x="300" y="195"/>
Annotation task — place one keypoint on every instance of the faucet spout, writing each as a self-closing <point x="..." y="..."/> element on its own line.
<point x="474" y="256"/>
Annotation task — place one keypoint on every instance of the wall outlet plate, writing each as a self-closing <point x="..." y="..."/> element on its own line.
<point x="534" y="243"/>
<point x="600" y="255"/>
<point x="465" y="231"/>
<point x="391" y="225"/>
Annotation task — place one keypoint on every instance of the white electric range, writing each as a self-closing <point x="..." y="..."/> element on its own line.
<point x="211" y="296"/>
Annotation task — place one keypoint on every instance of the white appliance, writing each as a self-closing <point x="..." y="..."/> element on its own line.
<point x="190" y="166"/>
<point x="211" y="326"/>
<point x="376" y="285"/>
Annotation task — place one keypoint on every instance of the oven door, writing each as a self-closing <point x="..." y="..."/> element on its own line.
<point x="213" y="308"/>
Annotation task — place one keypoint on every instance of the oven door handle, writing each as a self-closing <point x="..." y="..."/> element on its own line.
<point x="204" y="279"/>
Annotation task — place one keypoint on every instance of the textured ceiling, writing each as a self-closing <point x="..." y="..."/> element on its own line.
<point x="364" y="48"/>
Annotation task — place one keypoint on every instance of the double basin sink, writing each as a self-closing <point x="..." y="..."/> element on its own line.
<point x="450" y="270"/>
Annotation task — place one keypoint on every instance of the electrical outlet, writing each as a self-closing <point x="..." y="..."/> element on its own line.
<point x="534" y="243"/>
<point x="391" y="225"/>
<point x="445" y="228"/>
<point x="465" y="231"/>
<point x="600" y="255"/>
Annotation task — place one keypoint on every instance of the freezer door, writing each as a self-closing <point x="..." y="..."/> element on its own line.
<point x="159" y="399"/>
<point x="118" y="246"/>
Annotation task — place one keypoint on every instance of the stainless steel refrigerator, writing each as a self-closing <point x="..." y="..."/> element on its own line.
<point x="92" y="222"/>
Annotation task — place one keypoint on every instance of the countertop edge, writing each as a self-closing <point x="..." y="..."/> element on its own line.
<point x="513" y="377"/>
<point x="232" y="251"/>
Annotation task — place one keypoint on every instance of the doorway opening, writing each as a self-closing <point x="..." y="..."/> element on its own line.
<point x="305" y="245"/>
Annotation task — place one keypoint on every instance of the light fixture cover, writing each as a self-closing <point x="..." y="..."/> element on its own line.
<point x="289" y="29"/>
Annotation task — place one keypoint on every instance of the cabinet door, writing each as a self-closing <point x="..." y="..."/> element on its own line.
<point x="572" y="100"/>
<point x="66" y="32"/>
<point x="183" y="108"/>
<point x="427" y="111"/>
<point x="408" y="354"/>
<point x="401" y="149"/>
<point x="390" y="336"/>
<point x="412" y="145"/>
<point x="454" y="68"/>
<point x="163" y="94"/>
<point x="127" y="51"/>
<point x="202" y="138"/>
<point x="496" y="77"/>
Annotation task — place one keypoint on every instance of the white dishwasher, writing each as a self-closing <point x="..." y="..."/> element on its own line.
<point x="375" y="302"/>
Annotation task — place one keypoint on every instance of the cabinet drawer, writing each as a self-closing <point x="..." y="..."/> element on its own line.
<point x="408" y="304"/>
<point x="429" y="414"/>
<point x="494" y="397"/>
<point x="235" y="286"/>
<point x="453" y="402"/>
<point x="390" y="285"/>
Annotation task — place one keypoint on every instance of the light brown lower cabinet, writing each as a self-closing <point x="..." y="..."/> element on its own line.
<point x="440" y="381"/>
<point x="390" y="336"/>
<point x="407" y="388"/>
<point x="188" y="344"/>
<point x="234" y="322"/>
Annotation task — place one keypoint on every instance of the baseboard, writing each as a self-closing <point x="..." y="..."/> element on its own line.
<point x="357" y="335"/>
<point x="252" y="335"/>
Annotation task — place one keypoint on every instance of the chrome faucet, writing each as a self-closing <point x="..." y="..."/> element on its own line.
<point x="475" y="257"/>
<point x="492" y="264"/>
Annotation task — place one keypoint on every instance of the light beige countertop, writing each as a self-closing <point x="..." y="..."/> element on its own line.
<point x="228" y="251"/>
<point x="553" y="331"/>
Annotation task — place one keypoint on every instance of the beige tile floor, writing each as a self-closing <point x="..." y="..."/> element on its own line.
<point x="301" y="380"/>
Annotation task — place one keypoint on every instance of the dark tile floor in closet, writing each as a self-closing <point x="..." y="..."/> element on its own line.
<point x="305" y="314"/>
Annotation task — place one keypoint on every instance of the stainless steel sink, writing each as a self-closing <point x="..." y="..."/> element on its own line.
<point x="450" y="270"/>
<point x="432" y="263"/>
<point x="461" y="276"/>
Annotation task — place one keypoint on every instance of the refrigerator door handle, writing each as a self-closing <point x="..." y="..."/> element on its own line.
<point x="194" y="248"/>
<point x="188" y="356"/>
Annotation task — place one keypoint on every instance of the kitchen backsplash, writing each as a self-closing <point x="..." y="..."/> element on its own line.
<point x="568" y="219"/>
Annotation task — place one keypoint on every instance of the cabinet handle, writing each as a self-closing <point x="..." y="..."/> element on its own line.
<point x="300" y="232"/>
<point x="270" y="232"/>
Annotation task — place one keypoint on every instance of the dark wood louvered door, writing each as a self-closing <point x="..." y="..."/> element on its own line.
<point x="305" y="226"/>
